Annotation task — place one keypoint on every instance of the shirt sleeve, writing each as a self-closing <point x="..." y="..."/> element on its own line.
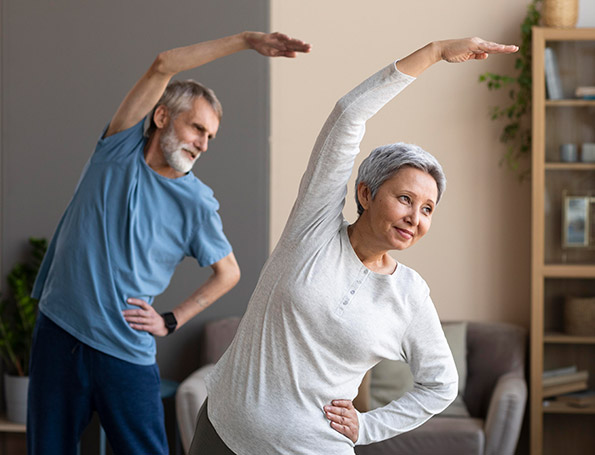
<point x="121" y="145"/>
<point x="209" y="243"/>
<point x="323" y="187"/>
<point x="435" y="381"/>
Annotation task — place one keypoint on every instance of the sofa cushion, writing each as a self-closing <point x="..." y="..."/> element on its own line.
<point x="456" y="336"/>
<point x="391" y="379"/>
<point x="439" y="435"/>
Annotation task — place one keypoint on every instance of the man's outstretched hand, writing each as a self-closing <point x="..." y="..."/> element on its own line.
<point x="275" y="44"/>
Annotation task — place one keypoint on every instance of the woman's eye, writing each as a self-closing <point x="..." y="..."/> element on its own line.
<point x="405" y="199"/>
<point x="427" y="210"/>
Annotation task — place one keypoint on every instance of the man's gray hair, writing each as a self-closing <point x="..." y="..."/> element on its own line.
<point x="387" y="160"/>
<point x="178" y="98"/>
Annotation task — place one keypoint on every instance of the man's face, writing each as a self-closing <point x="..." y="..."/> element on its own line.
<point x="188" y="135"/>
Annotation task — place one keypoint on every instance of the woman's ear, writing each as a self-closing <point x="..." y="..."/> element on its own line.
<point x="161" y="116"/>
<point x="364" y="195"/>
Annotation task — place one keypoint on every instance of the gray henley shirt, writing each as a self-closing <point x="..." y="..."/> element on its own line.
<point x="318" y="319"/>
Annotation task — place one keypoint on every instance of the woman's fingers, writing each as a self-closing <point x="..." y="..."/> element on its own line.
<point x="343" y="417"/>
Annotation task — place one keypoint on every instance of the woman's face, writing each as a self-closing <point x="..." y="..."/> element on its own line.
<point x="401" y="212"/>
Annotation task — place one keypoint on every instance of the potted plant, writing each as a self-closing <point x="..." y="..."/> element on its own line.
<point x="18" y="311"/>
<point x="516" y="132"/>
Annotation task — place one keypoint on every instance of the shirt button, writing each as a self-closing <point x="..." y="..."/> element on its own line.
<point x="366" y="271"/>
<point x="352" y="292"/>
<point x="345" y="302"/>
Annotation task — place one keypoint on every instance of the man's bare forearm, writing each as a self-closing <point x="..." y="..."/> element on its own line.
<point x="226" y="275"/>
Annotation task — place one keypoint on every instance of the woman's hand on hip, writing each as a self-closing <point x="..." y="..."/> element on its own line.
<point x="343" y="417"/>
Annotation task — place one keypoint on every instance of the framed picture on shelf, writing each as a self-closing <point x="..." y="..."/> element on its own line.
<point x="575" y="224"/>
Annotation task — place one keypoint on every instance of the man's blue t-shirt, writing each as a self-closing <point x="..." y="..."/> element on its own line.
<point x="122" y="235"/>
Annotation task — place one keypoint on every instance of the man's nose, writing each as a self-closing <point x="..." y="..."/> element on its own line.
<point x="202" y="143"/>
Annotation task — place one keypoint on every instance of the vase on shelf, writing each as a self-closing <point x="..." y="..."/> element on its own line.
<point x="560" y="13"/>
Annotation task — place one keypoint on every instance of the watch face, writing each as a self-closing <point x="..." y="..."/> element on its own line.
<point x="170" y="321"/>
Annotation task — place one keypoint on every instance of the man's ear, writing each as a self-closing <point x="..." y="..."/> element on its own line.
<point x="364" y="195"/>
<point x="161" y="116"/>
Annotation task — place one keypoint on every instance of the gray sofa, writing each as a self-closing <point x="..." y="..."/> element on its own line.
<point x="495" y="395"/>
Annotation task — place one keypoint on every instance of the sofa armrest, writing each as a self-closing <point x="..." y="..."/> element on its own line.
<point x="505" y="415"/>
<point x="190" y="396"/>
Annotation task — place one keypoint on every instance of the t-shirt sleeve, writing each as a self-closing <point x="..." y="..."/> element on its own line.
<point x="120" y="145"/>
<point x="209" y="243"/>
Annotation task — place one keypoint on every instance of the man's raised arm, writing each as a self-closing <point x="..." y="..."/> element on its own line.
<point x="149" y="88"/>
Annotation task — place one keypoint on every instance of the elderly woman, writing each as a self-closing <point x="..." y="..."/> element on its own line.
<point x="331" y="301"/>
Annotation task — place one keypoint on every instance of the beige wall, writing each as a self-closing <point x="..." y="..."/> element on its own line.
<point x="476" y="256"/>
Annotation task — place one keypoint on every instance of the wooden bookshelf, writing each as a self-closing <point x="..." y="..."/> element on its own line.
<point x="556" y="271"/>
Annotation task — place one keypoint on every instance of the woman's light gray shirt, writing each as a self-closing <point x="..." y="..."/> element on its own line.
<point x="319" y="319"/>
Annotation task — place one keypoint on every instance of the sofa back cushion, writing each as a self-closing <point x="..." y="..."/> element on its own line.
<point x="391" y="379"/>
<point x="493" y="349"/>
<point x="216" y="338"/>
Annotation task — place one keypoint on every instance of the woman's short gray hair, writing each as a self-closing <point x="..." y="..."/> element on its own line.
<point x="387" y="160"/>
<point x="178" y="98"/>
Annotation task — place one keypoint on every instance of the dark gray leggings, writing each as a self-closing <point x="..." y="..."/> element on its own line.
<point x="206" y="441"/>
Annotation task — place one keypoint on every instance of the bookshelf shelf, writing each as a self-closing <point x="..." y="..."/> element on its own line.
<point x="551" y="407"/>
<point x="570" y="103"/>
<point x="561" y="338"/>
<point x="6" y="426"/>
<point x="570" y="166"/>
<point x="568" y="271"/>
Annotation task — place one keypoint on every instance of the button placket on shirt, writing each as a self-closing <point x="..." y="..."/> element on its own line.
<point x="352" y="290"/>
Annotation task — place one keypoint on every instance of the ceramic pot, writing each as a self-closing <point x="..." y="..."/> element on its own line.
<point x="15" y="393"/>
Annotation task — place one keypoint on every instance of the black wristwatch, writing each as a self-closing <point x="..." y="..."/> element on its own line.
<point x="170" y="322"/>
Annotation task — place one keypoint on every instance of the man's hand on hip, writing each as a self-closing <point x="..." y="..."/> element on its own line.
<point x="145" y="318"/>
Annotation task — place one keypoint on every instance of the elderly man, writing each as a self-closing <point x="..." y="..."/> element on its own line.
<point x="136" y="213"/>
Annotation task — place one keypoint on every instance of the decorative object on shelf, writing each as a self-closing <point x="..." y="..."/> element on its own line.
<point x="579" y="316"/>
<point x="575" y="225"/>
<point x="516" y="132"/>
<point x="584" y="399"/>
<point x="560" y="13"/>
<point x="552" y="75"/>
<point x="588" y="152"/>
<point x="586" y="93"/>
<point x="568" y="153"/>
<point x="18" y="312"/>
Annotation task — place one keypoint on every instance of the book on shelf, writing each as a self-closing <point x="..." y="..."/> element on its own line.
<point x="579" y="376"/>
<point x="586" y="93"/>
<point x="561" y="389"/>
<point x="560" y="371"/>
<point x="552" y="75"/>
<point x="583" y="399"/>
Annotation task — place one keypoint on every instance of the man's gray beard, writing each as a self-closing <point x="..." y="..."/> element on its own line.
<point x="173" y="151"/>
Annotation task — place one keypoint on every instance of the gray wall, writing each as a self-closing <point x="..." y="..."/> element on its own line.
<point x="67" y="64"/>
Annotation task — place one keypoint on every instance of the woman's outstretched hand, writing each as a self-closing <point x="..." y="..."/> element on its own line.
<point x="453" y="51"/>
<point x="343" y="418"/>
<point x="462" y="50"/>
